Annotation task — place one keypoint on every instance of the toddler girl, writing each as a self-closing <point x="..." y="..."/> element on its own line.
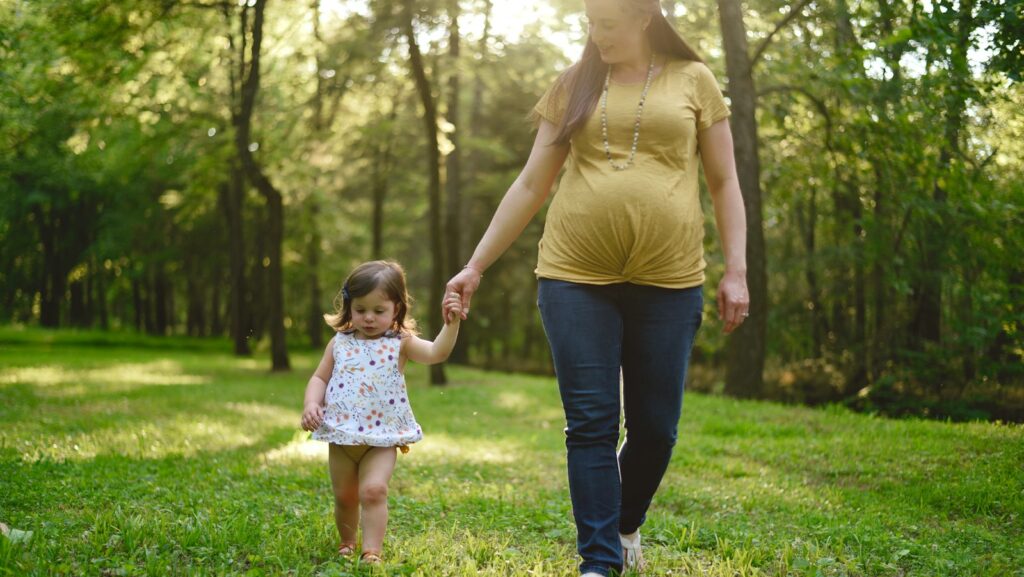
<point x="357" y="401"/>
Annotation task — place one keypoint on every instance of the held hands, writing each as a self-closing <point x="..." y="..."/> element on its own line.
<point x="733" y="300"/>
<point x="464" y="285"/>
<point x="452" y="308"/>
<point x="312" y="417"/>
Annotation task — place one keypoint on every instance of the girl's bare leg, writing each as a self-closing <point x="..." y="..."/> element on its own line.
<point x="345" y="482"/>
<point x="374" y="474"/>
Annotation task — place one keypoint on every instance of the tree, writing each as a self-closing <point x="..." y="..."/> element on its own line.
<point x="437" y="376"/>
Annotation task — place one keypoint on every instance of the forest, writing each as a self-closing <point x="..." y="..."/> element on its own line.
<point x="213" y="169"/>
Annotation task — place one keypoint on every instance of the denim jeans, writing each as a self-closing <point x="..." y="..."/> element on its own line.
<point x="594" y="331"/>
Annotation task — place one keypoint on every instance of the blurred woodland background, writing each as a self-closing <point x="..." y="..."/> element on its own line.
<point x="215" y="169"/>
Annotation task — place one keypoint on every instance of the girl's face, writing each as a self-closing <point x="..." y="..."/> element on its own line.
<point x="618" y="33"/>
<point x="374" y="313"/>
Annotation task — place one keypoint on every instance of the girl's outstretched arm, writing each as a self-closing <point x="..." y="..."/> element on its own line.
<point x="313" y="405"/>
<point x="523" y="199"/>
<point x="430" y="353"/>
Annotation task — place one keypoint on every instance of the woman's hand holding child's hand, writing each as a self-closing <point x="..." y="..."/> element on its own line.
<point x="312" y="417"/>
<point x="452" y="307"/>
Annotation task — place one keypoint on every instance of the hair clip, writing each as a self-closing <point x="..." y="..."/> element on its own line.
<point x="344" y="293"/>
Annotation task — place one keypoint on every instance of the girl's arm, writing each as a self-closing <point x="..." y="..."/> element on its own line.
<point x="431" y="353"/>
<point x="313" y="405"/>
<point x="720" y="171"/>
<point x="523" y="199"/>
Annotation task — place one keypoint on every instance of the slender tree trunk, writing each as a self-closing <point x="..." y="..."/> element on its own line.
<point x="437" y="375"/>
<point x="76" y="309"/>
<point x="315" y="321"/>
<point x="90" y="281"/>
<point x="381" y="170"/>
<point x="746" y="347"/>
<point x="461" y="352"/>
<point x="315" y="325"/>
<point x="161" y="305"/>
<point x="52" y="282"/>
<point x="216" y="325"/>
<point x="233" y="202"/>
<point x="453" y="164"/>
<point x="254" y="173"/>
<point x="257" y="321"/>
<point x="233" y="195"/>
<point x="137" y="304"/>
<point x="807" y="220"/>
<point x="148" y="301"/>
<point x="101" y="295"/>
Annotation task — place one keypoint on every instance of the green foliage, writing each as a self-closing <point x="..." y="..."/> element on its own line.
<point x="891" y="163"/>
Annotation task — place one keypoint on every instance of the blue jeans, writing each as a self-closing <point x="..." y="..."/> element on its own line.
<point x="594" y="330"/>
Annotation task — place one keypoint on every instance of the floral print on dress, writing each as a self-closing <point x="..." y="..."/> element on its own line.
<point x="367" y="401"/>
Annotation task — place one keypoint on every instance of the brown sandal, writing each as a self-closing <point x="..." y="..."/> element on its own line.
<point x="370" y="558"/>
<point x="346" y="549"/>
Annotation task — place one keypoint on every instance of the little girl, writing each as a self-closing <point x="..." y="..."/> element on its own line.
<point x="357" y="400"/>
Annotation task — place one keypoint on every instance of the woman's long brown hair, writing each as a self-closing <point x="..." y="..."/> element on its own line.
<point x="584" y="80"/>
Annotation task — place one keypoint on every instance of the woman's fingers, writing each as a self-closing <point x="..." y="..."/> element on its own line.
<point x="464" y="286"/>
<point x="733" y="303"/>
<point x="732" y="316"/>
<point x="720" y="301"/>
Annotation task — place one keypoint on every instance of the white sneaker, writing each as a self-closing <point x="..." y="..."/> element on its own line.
<point x="632" y="554"/>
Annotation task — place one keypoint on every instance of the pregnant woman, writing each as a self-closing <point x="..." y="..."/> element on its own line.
<point x="621" y="262"/>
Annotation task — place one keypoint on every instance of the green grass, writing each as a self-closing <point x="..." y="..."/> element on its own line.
<point x="139" y="456"/>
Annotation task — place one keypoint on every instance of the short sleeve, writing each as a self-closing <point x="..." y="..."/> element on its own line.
<point x="552" y="105"/>
<point x="711" y="103"/>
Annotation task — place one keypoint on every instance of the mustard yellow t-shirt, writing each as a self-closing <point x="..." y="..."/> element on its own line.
<point x="642" y="225"/>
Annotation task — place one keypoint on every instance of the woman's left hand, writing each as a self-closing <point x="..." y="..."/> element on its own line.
<point x="733" y="300"/>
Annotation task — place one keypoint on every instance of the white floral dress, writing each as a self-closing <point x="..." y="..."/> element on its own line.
<point x="367" y="401"/>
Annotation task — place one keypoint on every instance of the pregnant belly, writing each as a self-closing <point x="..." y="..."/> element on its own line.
<point x="623" y="233"/>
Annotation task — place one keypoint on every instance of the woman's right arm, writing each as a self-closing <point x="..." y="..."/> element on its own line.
<point x="523" y="199"/>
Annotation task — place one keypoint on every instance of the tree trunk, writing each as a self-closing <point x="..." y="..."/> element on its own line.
<point x="148" y="300"/>
<point x="232" y="197"/>
<point x="137" y="304"/>
<point x="453" y="163"/>
<point x="461" y="352"/>
<point x="160" y="298"/>
<point x="315" y="321"/>
<point x="76" y="309"/>
<point x="242" y="118"/>
<point x="233" y="201"/>
<point x="746" y="347"/>
<point x="51" y="285"/>
<point x="807" y="220"/>
<point x="315" y="325"/>
<point x="381" y="170"/>
<point x="216" y="326"/>
<point x="101" y="296"/>
<point x="437" y="375"/>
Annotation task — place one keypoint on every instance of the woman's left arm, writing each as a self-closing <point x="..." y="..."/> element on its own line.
<point x="716" y="154"/>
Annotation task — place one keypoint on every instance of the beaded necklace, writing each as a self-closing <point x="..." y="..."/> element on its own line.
<point x="636" y="125"/>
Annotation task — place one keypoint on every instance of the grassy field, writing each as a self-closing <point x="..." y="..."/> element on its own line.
<point x="138" y="456"/>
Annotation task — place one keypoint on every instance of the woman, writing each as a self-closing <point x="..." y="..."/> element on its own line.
<point x="620" y="263"/>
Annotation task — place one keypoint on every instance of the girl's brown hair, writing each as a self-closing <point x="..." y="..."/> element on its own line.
<point x="584" y="80"/>
<point x="366" y="278"/>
